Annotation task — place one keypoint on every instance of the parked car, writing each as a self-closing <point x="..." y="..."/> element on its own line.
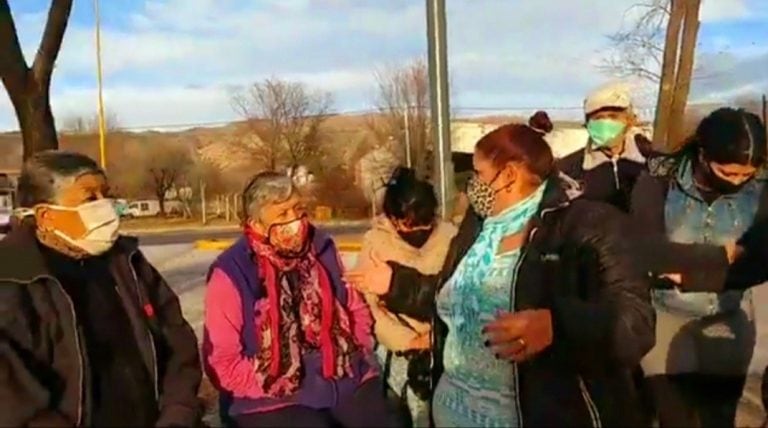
<point x="151" y="208"/>
<point x="144" y="208"/>
<point x="6" y="210"/>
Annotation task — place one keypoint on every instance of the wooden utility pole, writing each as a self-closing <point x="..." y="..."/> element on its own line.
<point x="676" y="73"/>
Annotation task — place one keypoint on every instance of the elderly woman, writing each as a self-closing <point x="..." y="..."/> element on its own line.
<point x="90" y="334"/>
<point x="540" y="311"/>
<point x="286" y="342"/>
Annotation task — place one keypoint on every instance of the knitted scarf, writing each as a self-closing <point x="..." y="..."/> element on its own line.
<point x="302" y="315"/>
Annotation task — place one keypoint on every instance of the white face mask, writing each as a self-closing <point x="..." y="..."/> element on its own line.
<point x="101" y="226"/>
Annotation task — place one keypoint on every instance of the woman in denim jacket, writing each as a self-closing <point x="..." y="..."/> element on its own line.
<point x="691" y="208"/>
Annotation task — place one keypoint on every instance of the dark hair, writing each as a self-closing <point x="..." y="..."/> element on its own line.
<point x="540" y="121"/>
<point x="518" y="143"/>
<point x="731" y="135"/>
<point x="409" y="198"/>
<point x="46" y="173"/>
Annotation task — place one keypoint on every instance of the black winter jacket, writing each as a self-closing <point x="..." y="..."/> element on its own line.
<point x="43" y="369"/>
<point x="577" y="265"/>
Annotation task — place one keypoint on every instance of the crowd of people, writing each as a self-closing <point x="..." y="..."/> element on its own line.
<point x="607" y="288"/>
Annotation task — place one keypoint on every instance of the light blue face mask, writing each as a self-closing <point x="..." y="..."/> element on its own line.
<point x="603" y="132"/>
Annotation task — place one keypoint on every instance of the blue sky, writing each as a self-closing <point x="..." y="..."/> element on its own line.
<point x="173" y="61"/>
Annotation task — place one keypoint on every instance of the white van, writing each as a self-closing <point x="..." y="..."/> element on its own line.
<point x="144" y="208"/>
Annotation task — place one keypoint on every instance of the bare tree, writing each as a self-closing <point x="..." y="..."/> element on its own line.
<point x="286" y="117"/>
<point x="638" y="49"/>
<point x="29" y="87"/>
<point x="84" y="125"/>
<point x="166" y="166"/>
<point x="404" y="91"/>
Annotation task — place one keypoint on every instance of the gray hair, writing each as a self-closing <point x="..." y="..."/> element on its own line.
<point x="46" y="173"/>
<point x="265" y="189"/>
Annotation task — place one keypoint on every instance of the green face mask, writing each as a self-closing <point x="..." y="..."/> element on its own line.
<point x="603" y="132"/>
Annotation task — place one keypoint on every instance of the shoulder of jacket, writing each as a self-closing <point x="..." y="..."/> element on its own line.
<point x="593" y="216"/>
<point x="572" y="162"/>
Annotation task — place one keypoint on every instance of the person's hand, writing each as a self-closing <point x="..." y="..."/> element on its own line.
<point x="733" y="251"/>
<point x="521" y="335"/>
<point x="677" y="278"/>
<point x="373" y="277"/>
<point x="421" y="341"/>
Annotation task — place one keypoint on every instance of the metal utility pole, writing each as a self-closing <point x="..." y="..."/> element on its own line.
<point x="440" y="111"/>
<point x="102" y="124"/>
<point x="408" y="154"/>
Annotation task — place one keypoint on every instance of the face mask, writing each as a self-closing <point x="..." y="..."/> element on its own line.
<point x="482" y="196"/>
<point x="604" y="132"/>
<point x="290" y="238"/>
<point x="416" y="238"/>
<point x="101" y="226"/>
<point x="712" y="181"/>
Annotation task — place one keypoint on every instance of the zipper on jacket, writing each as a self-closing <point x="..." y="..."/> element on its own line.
<point x="615" y="162"/>
<point x="149" y="331"/>
<point x="594" y="413"/>
<point x="513" y="298"/>
<point x="78" y="347"/>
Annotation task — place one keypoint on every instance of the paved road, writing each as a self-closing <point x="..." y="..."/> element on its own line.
<point x="189" y="236"/>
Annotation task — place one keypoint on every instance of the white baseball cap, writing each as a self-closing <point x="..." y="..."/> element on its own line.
<point x="614" y="95"/>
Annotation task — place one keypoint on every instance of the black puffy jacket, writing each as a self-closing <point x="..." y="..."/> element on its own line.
<point x="576" y="264"/>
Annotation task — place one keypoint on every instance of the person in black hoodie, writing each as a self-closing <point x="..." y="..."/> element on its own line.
<point x="539" y="313"/>
<point x="614" y="156"/>
<point x="691" y="210"/>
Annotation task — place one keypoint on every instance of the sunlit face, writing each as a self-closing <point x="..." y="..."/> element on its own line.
<point x="485" y="170"/>
<point x="734" y="173"/>
<point x="86" y="188"/>
<point x="279" y="213"/>
<point x="624" y="116"/>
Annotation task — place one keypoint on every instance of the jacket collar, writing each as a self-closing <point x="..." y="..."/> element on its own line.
<point x="23" y="262"/>
<point x="594" y="157"/>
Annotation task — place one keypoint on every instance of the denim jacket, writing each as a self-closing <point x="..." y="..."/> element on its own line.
<point x="689" y="219"/>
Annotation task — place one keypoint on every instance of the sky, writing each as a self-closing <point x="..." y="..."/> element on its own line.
<point x="169" y="63"/>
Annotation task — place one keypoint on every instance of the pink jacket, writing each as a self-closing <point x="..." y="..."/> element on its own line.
<point x="223" y="352"/>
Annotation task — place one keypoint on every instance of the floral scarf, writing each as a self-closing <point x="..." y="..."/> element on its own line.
<point x="302" y="315"/>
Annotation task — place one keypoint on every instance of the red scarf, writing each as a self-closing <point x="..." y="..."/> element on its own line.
<point x="333" y="338"/>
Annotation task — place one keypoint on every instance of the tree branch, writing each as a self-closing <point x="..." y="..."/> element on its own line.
<point x="13" y="67"/>
<point x="50" y="44"/>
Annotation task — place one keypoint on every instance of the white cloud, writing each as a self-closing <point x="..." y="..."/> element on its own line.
<point x="724" y="10"/>
<point x="169" y="61"/>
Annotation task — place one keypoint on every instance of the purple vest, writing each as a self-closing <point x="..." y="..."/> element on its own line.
<point x="315" y="391"/>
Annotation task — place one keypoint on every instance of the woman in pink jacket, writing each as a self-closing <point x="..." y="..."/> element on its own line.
<point x="287" y="343"/>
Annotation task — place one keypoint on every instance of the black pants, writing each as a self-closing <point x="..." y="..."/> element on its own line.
<point x="367" y="407"/>
<point x="695" y="400"/>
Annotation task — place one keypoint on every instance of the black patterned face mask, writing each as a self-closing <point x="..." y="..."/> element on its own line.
<point x="481" y="196"/>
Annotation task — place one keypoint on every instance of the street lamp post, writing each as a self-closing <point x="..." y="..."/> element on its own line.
<point x="102" y="124"/>
<point x="439" y="99"/>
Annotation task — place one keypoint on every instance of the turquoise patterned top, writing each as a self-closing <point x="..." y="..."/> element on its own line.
<point x="476" y="389"/>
